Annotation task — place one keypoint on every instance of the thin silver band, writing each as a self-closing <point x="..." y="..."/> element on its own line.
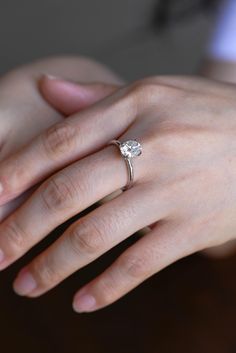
<point x="129" y="164"/>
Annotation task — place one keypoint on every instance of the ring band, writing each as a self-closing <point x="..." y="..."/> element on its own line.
<point x="128" y="150"/>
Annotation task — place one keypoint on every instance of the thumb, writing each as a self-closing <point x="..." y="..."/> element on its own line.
<point x="70" y="97"/>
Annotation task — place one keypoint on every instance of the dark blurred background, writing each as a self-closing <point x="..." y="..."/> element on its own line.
<point x="190" y="306"/>
<point x="123" y="34"/>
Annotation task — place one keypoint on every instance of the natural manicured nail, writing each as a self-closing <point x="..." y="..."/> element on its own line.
<point x="24" y="283"/>
<point x="84" y="303"/>
<point x="52" y="77"/>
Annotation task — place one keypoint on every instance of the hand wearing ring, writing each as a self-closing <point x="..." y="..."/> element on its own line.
<point x="184" y="183"/>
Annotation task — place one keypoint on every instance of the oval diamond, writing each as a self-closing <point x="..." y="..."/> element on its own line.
<point x="131" y="148"/>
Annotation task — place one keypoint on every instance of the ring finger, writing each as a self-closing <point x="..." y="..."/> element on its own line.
<point x="89" y="238"/>
<point x="61" y="197"/>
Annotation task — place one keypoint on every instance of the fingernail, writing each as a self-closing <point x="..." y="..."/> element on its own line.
<point x="2" y="256"/>
<point x="24" y="283"/>
<point x="84" y="303"/>
<point x="51" y="77"/>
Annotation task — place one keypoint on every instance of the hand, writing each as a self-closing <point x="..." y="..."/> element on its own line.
<point x="184" y="188"/>
<point x="21" y="105"/>
<point x="69" y="98"/>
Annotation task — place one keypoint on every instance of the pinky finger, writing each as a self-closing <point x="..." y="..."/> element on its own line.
<point x="162" y="246"/>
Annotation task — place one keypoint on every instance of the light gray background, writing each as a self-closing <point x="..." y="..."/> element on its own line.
<point x="117" y="32"/>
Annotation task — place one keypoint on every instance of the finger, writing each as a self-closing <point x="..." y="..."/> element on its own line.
<point x="69" y="97"/>
<point x="11" y="206"/>
<point x="64" y="195"/>
<point x="89" y="238"/>
<point x="66" y="142"/>
<point x="155" y="251"/>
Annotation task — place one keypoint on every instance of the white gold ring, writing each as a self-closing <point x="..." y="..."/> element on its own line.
<point x="128" y="150"/>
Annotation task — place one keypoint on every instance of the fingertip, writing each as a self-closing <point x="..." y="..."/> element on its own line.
<point x="66" y="96"/>
<point x="24" y="283"/>
<point x="70" y="97"/>
<point x="84" y="302"/>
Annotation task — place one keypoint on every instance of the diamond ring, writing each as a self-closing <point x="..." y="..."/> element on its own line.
<point x="128" y="149"/>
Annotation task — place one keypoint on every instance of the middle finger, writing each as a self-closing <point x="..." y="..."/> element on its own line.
<point x="61" y="197"/>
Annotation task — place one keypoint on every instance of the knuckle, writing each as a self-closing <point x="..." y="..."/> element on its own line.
<point x="144" y="93"/>
<point x="59" y="139"/>
<point x="58" y="193"/>
<point x="150" y="90"/>
<point x="143" y="90"/>
<point x="135" y="266"/>
<point x="173" y="88"/>
<point x="15" y="175"/>
<point x="44" y="273"/>
<point x="86" y="238"/>
<point x="15" y="236"/>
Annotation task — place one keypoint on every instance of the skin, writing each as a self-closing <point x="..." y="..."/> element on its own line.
<point x="185" y="184"/>
<point x="224" y="71"/>
<point x="21" y="104"/>
<point x="67" y="99"/>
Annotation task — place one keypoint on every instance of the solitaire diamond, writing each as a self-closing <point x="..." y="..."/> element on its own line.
<point x="130" y="149"/>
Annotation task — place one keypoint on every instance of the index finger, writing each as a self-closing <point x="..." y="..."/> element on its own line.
<point x="65" y="142"/>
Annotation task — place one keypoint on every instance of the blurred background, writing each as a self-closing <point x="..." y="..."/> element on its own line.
<point x="190" y="306"/>
<point x="122" y="34"/>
